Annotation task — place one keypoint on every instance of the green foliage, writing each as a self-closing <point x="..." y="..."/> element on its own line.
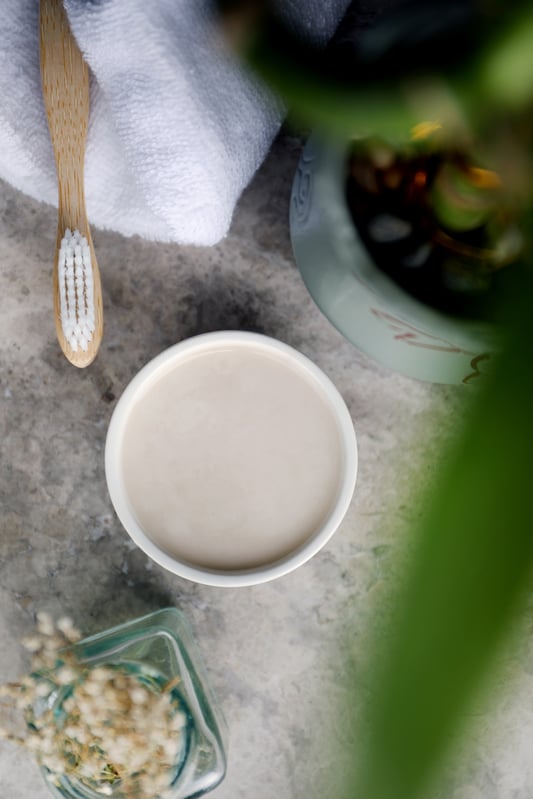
<point x="495" y="76"/>
<point x="469" y="570"/>
<point x="472" y="557"/>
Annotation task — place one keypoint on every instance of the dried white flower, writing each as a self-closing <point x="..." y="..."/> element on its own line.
<point x="65" y="625"/>
<point x="69" y="704"/>
<point x="100" y="674"/>
<point x="92" y="688"/>
<point x="32" y="643"/>
<point x="178" y="721"/>
<point x="116" y="728"/>
<point x="41" y="689"/>
<point x="65" y="675"/>
<point x="139" y="695"/>
<point x="45" y="624"/>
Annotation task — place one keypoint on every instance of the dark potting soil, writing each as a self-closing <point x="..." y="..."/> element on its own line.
<point x="390" y="211"/>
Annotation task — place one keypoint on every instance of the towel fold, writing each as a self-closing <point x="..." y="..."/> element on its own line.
<point x="177" y="127"/>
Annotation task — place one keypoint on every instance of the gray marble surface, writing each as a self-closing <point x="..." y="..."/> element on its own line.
<point x="275" y="653"/>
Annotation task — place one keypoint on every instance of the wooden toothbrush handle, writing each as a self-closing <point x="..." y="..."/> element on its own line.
<point x="65" y="84"/>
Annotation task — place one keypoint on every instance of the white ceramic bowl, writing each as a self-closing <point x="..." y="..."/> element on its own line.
<point x="171" y="359"/>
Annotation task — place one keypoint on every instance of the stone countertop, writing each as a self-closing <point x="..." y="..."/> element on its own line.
<point x="275" y="652"/>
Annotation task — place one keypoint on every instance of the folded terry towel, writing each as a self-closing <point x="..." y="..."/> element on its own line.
<point x="178" y="126"/>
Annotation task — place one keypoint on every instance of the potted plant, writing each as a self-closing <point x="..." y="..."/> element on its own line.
<point x="435" y="98"/>
<point x="407" y="243"/>
<point x="396" y="283"/>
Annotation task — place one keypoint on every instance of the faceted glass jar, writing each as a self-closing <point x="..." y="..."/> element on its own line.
<point x="159" y="647"/>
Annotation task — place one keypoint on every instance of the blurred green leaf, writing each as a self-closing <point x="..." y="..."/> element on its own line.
<point x="340" y="111"/>
<point x="503" y="75"/>
<point x="468" y="573"/>
<point x="493" y="75"/>
<point x="471" y="562"/>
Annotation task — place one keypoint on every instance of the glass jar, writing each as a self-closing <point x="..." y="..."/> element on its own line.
<point x="158" y="648"/>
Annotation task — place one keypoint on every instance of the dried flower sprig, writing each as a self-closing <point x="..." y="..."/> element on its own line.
<point x="108" y="728"/>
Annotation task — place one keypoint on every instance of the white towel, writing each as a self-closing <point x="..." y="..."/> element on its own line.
<point x="178" y="126"/>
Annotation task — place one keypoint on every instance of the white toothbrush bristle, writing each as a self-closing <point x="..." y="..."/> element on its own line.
<point x="76" y="290"/>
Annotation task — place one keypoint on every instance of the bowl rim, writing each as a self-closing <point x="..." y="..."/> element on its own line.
<point x="162" y="364"/>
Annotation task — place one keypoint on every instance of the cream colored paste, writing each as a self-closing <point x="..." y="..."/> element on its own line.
<point x="232" y="459"/>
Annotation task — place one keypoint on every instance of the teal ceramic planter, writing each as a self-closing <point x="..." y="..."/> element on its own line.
<point x="372" y="311"/>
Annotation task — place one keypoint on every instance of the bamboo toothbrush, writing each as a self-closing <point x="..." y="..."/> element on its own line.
<point x="76" y="284"/>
